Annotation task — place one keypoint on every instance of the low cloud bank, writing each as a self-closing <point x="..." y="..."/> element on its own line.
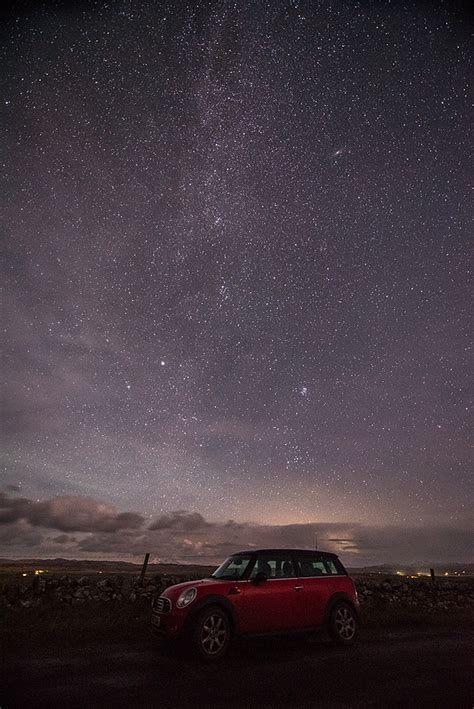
<point x="93" y="529"/>
<point x="68" y="514"/>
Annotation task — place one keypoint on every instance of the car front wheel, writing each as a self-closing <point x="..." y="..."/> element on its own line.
<point x="211" y="633"/>
<point x="343" y="624"/>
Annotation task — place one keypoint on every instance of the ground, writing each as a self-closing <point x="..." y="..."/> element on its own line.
<point x="392" y="665"/>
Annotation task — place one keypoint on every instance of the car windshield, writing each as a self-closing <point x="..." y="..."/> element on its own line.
<point x="233" y="568"/>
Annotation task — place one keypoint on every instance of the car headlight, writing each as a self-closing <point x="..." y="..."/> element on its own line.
<point x="186" y="597"/>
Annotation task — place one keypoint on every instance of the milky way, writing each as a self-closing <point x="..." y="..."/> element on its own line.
<point x="235" y="275"/>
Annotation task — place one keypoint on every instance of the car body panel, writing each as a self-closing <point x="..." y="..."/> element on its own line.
<point x="317" y="594"/>
<point x="173" y="622"/>
<point x="271" y="606"/>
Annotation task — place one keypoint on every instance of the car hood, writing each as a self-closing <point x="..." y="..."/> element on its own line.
<point x="174" y="591"/>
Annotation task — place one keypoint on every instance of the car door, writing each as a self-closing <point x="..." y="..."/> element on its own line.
<point x="316" y="588"/>
<point x="274" y="604"/>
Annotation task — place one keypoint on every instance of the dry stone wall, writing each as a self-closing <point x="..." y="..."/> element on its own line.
<point x="78" y="590"/>
<point x="440" y="595"/>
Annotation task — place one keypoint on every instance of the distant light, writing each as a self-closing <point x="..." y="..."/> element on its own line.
<point x="446" y="573"/>
<point x="24" y="574"/>
<point x="40" y="571"/>
<point x="399" y="573"/>
<point x="162" y="362"/>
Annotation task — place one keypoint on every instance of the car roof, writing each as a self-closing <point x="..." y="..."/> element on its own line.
<point x="300" y="552"/>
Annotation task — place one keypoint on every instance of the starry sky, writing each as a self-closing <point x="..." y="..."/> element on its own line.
<point x="235" y="281"/>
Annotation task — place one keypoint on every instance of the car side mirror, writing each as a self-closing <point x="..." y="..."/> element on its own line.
<point x="260" y="577"/>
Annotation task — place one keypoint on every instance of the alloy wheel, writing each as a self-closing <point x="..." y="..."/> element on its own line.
<point x="344" y="622"/>
<point x="213" y="634"/>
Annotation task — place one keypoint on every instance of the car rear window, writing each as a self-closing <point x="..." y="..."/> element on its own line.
<point x="319" y="566"/>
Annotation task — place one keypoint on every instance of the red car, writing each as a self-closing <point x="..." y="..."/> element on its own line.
<point x="257" y="592"/>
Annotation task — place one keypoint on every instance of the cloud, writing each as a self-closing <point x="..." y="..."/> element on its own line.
<point x="187" y="521"/>
<point x="340" y="541"/>
<point x="100" y="531"/>
<point x="62" y="539"/>
<point x="211" y="542"/>
<point x="68" y="514"/>
<point x="19" y="538"/>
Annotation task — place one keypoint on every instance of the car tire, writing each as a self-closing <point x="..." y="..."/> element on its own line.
<point x="342" y="623"/>
<point x="211" y="633"/>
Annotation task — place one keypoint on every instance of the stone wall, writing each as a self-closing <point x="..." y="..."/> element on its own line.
<point x="75" y="590"/>
<point x="440" y="595"/>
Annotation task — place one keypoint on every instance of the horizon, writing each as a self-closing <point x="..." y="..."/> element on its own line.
<point x="425" y="566"/>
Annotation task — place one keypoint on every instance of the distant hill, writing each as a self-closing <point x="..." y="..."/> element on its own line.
<point x="85" y="566"/>
<point x="412" y="570"/>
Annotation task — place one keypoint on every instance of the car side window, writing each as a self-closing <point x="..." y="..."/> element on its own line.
<point x="285" y="569"/>
<point x="274" y="567"/>
<point x="313" y="566"/>
<point x="331" y="567"/>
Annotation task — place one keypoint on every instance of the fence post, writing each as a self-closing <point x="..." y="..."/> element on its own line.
<point x="432" y="575"/>
<point x="145" y="564"/>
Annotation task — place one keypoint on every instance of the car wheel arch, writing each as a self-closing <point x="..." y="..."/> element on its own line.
<point x="336" y="598"/>
<point x="219" y="601"/>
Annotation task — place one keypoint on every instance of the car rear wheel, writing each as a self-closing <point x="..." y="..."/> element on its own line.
<point x="211" y="633"/>
<point x="343" y="624"/>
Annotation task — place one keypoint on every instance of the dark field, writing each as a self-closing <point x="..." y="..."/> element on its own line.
<point x="102" y="655"/>
<point x="10" y="569"/>
<point x="52" y="627"/>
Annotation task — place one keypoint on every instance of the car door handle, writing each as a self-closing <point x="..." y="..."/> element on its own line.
<point x="298" y="588"/>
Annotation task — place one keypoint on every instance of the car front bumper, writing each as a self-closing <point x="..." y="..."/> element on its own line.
<point x="168" y="624"/>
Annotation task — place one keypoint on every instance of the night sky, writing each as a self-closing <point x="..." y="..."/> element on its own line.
<point x="235" y="282"/>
